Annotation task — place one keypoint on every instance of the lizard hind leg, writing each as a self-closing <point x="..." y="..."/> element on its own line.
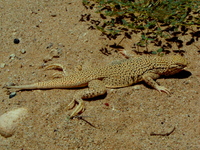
<point x="95" y="88"/>
<point x="57" y="67"/>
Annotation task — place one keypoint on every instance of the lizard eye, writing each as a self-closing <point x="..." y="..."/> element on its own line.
<point x="181" y="65"/>
<point x="178" y="66"/>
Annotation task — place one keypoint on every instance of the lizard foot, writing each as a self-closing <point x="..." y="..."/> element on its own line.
<point x="162" y="89"/>
<point x="58" y="67"/>
<point x="55" y="66"/>
<point x="79" y="108"/>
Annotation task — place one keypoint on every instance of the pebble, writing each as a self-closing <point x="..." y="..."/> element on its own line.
<point x="10" y="120"/>
<point x="47" y="58"/>
<point x="49" y="45"/>
<point x="23" y="51"/>
<point x="61" y="45"/>
<point x="16" y="41"/>
<point x="13" y="94"/>
<point x="137" y="87"/>
<point x="2" y="65"/>
<point x="12" y="56"/>
<point x="53" y="15"/>
<point x="55" y="52"/>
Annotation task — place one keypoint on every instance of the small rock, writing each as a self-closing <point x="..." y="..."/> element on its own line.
<point x="47" y="58"/>
<point x="12" y="56"/>
<point x="2" y="65"/>
<point x="13" y="94"/>
<point x="23" y="51"/>
<point x="137" y="87"/>
<point x="61" y="45"/>
<point x="10" y="84"/>
<point x="16" y="41"/>
<point x="53" y="15"/>
<point x="55" y="52"/>
<point x="49" y="45"/>
<point x="10" y="120"/>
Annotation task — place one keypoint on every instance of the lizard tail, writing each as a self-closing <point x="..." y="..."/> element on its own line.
<point x="31" y="86"/>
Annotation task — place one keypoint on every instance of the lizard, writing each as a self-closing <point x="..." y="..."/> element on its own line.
<point x="115" y="75"/>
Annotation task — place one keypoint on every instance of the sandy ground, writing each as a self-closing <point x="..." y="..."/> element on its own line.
<point x="123" y="119"/>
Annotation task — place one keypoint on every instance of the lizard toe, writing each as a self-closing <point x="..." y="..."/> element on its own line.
<point x="163" y="89"/>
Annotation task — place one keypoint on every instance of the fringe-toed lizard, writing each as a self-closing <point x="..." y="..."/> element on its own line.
<point x="119" y="74"/>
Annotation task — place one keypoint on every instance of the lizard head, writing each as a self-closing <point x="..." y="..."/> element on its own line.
<point x="176" y="64"/>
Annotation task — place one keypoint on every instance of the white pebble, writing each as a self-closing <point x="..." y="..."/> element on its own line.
<point x="23" y="51"/>
<point x="12" y="56"/>
<point x="137" y="87"/>
<point x="10" y="120"/>
<point x="2" y="65"/>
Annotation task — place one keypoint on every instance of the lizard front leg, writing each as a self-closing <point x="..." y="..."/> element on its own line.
<point x="95" y="88"/>
<point x="149" y="79"/>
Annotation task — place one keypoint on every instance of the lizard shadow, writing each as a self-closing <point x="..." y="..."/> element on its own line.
<point x="100" y="97"/>
<point x="181" y="75"/>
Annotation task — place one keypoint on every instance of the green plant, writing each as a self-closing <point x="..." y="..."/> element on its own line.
<point x="153" y="18"/>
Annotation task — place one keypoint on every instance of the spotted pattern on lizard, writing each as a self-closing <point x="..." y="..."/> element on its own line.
<point x="115" y="75"/>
